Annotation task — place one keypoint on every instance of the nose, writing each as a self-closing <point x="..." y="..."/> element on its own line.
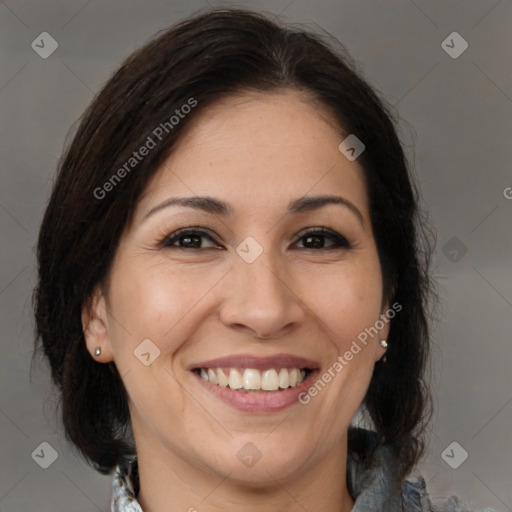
<point x="259" y="299"/>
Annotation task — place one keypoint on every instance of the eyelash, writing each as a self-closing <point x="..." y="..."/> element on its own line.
<point x="340" y="241"/>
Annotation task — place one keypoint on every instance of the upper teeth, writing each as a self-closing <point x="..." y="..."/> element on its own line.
<point x="250" y="379"/>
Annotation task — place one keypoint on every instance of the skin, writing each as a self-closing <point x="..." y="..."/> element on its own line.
<point x="257" y="152"/>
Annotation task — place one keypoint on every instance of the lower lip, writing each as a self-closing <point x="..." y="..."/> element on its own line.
<point x="267" y="401"/>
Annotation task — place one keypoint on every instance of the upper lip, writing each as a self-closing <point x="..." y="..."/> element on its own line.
<point x="257" y="362"/>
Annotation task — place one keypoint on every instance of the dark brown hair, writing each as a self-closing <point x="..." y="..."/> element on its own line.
<point x="207" y="57"/>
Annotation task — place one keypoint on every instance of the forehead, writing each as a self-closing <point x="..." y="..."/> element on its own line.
<point x="258" y="151"/>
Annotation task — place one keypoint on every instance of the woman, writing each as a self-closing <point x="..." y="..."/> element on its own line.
<point x="231" y="267"/>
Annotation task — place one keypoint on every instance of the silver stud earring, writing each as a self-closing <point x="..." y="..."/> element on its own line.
<point x="97" y="351"/>
<point x="384" y="344"/>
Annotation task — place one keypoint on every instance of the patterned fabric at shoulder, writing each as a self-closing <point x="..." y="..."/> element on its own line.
<point x="416" y="498"/>
<point x="123" y="493"/>
<point x="452" y="504"/>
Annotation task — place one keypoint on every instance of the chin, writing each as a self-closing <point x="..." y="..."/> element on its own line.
<point x="260" y="467"/>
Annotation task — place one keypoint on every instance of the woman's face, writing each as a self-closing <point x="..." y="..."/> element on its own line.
<point x="253" y="286"/>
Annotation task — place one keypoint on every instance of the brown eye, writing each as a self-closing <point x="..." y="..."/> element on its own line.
<point x="187" y="239"/>
<point x="315" y="239"/>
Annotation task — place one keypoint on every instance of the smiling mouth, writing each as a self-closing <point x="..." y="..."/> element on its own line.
<point x="252" y="380"/>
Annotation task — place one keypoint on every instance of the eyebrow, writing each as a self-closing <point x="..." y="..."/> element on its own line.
<point x="218" y="207"/>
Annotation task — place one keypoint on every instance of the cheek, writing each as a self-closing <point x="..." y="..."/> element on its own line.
<point x="148" y="295"/>
<point x="347" y="300"/>
<point x="153" y="303"/>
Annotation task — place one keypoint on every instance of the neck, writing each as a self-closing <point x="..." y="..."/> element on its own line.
<point x="169" y="483"/>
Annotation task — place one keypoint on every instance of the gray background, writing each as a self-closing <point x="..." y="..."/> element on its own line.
<point x="456" y="123"/>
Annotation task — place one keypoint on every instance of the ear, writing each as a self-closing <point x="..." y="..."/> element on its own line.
<point x="385" y="319"/>
<point x="95" y="326"/>
<point x="380" y="351"/>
